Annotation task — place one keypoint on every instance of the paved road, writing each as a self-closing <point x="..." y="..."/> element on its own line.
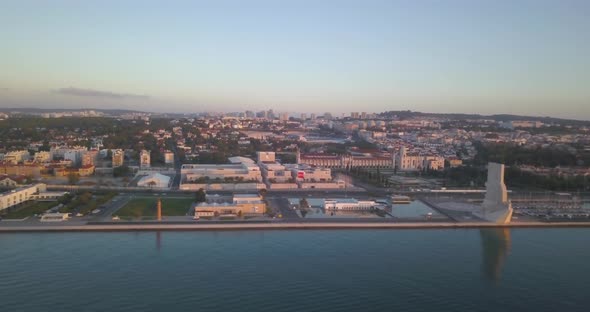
<point x="176" y="181"/>
<point x="281" y="205"/>
<point x="110" y="208"/>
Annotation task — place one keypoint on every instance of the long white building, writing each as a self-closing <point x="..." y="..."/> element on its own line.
<point x="21" y="195"/>
<point x="349" y="204"/>
<point x="244" y="171"/>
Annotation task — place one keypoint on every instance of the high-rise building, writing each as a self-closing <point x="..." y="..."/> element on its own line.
<point x="364" y="115"/>
<point x="303" y="116"/>
<point x="144" y="159"/>
<point x="118" y="158"/>
<point x="284" y="117"/>
<point x="354" y="115"/>
<point x="75" y="155"/>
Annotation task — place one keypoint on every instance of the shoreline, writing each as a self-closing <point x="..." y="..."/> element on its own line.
<point x="280" y="226"/>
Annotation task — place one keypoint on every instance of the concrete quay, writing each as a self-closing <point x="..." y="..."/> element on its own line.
<point x="113" y="227"/>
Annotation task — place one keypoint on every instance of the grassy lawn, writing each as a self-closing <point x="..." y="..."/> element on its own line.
<point x="146" y="207"/>
<point x="85" y="202"/>
<point x="29" y="209"/>
<point x="95" y="203"/>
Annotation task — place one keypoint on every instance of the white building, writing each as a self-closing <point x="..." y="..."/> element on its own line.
<point x="16" y="157"/>
<point x="20" y="195"/>
<point x="240" y="160"/>
<point x="244" y="171"/>
<point x="75" y="155"/>
<point x="55" y="217"/>
<point x="275" y="172"/>
<point x="43" y="157"/>
<point x="349" y="204"/>
<point x="156" y="180"/>
<point x="250" y="204"/>
<point x="246" y="198"/>
<point x="307" y="173"/>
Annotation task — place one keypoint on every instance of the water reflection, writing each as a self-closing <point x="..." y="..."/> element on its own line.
<point x="496" y="247"/>
<point x="158" y="240"/>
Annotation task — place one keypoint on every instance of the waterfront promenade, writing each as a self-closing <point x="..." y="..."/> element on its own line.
<point x="278" y="226"/>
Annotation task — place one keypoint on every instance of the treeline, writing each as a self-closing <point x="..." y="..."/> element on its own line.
<point x="464" y="176"/>
<point x="471" y="176"/>
<point x="518" y="178"/>
<point x="58" y="123"/>
<point x="121" y="133"/>
<point x="498" y="117"/>
<point x="512" y="154"/>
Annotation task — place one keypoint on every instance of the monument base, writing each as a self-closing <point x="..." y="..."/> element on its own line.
<point x="500" y="215"/>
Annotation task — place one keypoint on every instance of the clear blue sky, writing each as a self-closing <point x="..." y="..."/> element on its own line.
<point x="525" y="57"/>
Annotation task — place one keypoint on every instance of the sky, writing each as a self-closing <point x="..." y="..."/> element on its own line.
<point x="338" y="56"/>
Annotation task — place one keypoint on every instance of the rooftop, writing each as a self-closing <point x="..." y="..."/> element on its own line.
<point x="246" y="195"/>
<point x="343" y="200"/>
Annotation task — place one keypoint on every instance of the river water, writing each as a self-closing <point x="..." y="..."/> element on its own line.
<point x="304" y="270"/>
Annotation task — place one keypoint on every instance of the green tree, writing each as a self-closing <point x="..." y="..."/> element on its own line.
<point x="121" y="171"/>
<point x="200" y="196"/>
<point x="66" y="198"/>
<point x="85" y="197"/>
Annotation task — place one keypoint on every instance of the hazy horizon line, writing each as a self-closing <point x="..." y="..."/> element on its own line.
<point x="343" y="114"/>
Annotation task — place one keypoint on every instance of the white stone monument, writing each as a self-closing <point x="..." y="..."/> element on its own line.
<point x="496" y="207"/>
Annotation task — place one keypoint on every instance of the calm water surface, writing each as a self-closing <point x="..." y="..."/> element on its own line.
<point x="348" y="270"/>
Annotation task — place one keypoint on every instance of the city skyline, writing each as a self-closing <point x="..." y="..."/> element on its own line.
<point x="524" y="58"/>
